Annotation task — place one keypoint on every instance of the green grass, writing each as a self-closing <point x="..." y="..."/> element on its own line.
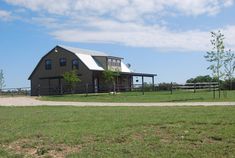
<point x="177" y="96"/>
<point x="118" y="131"/>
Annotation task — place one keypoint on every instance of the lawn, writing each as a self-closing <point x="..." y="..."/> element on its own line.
<point x="117" y="132"/>
<point x="177" y="96"/>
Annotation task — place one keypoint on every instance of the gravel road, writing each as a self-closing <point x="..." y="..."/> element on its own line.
<point x="33" y="101"/>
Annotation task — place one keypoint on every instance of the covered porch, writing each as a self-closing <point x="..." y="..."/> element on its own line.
<point x="123" y="82"/>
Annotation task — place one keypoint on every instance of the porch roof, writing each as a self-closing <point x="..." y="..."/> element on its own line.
<point x="139" y="74"/>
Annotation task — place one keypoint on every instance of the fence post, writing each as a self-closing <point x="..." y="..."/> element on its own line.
<point x="171" y="87"/>
<point x="194" y="87"/>
<point x="214" y="91"/>
<point x="219" y="90"/>
<point x="143" y="85"/>
<point x="86" y="89"/>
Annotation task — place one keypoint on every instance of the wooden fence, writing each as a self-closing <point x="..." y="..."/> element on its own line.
<point x="15" y="91"/>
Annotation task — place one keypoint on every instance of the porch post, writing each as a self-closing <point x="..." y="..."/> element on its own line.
<point x="61" y="88"/>
<point x="131" y="82"/>
<point x="142" y="84"/>
<point x="153" y="83"/>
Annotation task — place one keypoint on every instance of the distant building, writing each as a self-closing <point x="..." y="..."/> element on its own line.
<point x="47" y="77"/>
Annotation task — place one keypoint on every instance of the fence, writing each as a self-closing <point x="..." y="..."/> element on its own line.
<point x="209" y="86"/>
<point x="89" y="88"/>
<point x="15" y="91"/>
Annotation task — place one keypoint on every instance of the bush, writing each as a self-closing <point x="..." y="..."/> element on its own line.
<point x="227" y="85"/>
<point x="163" y="86"/>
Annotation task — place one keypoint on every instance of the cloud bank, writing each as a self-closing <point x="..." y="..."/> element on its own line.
<point x="136" y="23"/>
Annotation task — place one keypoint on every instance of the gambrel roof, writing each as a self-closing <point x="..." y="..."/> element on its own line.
<point x="87" y="57"/>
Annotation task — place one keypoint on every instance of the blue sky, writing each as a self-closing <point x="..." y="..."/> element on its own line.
<point x="167" y="37"/>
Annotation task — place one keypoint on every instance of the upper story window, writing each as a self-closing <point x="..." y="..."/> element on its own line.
<point x="118" y="62"/>
<point x="62" y="61"/>
<point x="114" y="62"/>
<point x="75" y="64"/>
<point x="48" y="64"/>
<point x="109" y="61"/>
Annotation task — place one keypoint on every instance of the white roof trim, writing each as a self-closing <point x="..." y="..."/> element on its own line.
<point x="125" y="68"/>
<point x="83" y="51"/>
<point x="89" y="62"/>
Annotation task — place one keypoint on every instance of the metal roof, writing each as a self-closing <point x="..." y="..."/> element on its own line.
<point x="86" y="56"/>
<point x="83" y="51"/>
<point x="125" y="68"/>
<point x="89" y="61"/>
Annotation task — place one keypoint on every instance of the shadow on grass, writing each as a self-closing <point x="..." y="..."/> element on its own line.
<point x="185" y="100"/>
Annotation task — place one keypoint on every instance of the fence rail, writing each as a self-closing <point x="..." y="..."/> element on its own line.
<point x="196" y="86"/>
<point x="15" y="91"/>
<point x="89" y="88"/>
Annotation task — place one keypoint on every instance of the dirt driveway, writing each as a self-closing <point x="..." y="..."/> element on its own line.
<point x="33" y="101"/>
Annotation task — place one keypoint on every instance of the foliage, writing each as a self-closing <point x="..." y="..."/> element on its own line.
<point x="229" y="65"/>
<point x="110" y="77"/>
<point x="119" y="131"/>
<point x="216" y="55"/>
<point x="164" y="86"/>
<point x="199" y="79"/>
<point x="71" y="78"/>
<point x="2" y="81"/>
<point x="229" y="84"/>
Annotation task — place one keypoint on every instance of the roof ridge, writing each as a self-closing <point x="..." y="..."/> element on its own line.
<point x="84" y="51"/>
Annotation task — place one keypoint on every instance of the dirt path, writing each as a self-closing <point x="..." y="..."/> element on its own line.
<point x="32" y="101"/>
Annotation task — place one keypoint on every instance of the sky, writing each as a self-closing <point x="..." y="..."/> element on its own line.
<point x="165" y="37"/>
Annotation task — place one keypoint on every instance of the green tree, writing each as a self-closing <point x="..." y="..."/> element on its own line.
<point x="216" y="56"/>
<point x="110" y="78"/>
<point x="198" y="79"/>
<point x="72" y="79"/>
<point x="229" y="65"/>
<point x="2" y="81"/>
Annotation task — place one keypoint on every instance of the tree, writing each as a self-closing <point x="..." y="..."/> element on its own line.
<point x="198" y="79"/>
<point x="229" y="65"/>
<point x="2" y="81"/>
<point x="216" y="56"/>
<point x="72" y="79"/>
<point x="110" y="77"/>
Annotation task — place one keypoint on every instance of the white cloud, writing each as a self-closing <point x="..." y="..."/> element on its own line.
<point x="117" y="7"/>
<point x="126" y="21"/>
<point x="135" y="35"/>
<point x="139" y="35"/>
<point x="5" y="15"/>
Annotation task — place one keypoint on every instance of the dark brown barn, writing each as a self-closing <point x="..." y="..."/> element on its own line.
<point x="47" y="77"/>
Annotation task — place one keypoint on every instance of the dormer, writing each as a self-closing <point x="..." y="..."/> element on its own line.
<point x="114" y="63"/>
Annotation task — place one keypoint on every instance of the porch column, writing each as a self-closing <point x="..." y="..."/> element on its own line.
<point x="61" y="88"/>
<point x="153" y="83"/>
<point x="143" y="85"/>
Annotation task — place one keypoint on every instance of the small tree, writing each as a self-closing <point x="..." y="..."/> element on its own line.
<point x="72" y="79"/>
<point x="229" y="65"/>
<point x="216" y="56"/>
<point x="110" y="77"/>
<point x="2" y="81"/>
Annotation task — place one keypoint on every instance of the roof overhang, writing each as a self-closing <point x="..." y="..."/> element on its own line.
<point x="138" y="74"/>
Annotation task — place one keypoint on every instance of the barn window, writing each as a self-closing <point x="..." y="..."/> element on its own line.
<point x="48" y="64"/>
<point x="75" y="64"/>
<point x="62" y="61"/>
<point x="119" y="63"/>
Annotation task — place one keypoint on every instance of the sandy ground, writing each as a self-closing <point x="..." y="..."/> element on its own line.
<point x="32" y="101"/>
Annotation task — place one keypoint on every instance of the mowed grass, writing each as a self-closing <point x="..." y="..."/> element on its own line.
<point x="177" y="96"/>
<point x="117" y="132"/>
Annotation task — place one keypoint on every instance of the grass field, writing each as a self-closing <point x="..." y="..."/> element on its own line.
<point x="117" y="132"/>
<point x="177" y="96"/>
